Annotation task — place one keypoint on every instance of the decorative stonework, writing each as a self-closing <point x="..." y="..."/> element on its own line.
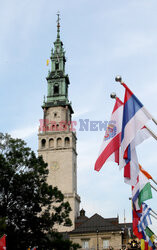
<point x="58" y="146"/>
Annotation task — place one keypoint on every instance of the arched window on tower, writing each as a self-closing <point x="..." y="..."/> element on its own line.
<point x="67" y="142"/>
<point x="51" y="143"/>
<point x="57" y="66"/>
<point x="43" y="143"/>
<point x="59" y="142"/>
<point x="56" y="89"/>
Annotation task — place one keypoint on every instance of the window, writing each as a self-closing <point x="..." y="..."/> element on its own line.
<point x="51" y="143"/>
<point x="56" y="89"/>
<point x="57" y="65"/>
<point x="85" y="244"/>
<point x="67" y="142"/>
<point x="43" y="143"/>
<point x="59" y="142"/>
<point x="105" y="244"/>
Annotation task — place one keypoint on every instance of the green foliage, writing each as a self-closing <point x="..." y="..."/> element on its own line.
<point x="29" y="207"/>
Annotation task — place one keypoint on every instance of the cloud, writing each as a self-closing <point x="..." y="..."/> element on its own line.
<point x="24" y="133"/>
<point x="81" y="112"/>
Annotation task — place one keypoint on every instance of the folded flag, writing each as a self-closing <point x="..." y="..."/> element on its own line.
<point x="150" y="233"/>
<point x="145" y="173"/>
<point x="131" y="167"/>
<point x="145" y="219"/>
<point x="135" y="116"/>
<point x="141" y="191"/>
<point x="144" y="245"/>
<point x="110" y="146"/>
<point x="145" y="192"/>
<point x="136" y="219"/>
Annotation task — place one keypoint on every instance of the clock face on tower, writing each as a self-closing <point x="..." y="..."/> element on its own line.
<point x="54" y="166"/>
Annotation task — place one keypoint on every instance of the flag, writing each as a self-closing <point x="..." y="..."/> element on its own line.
<point x="3" y="242"/>
<point x="110" y="146"/>
<point x="151" y="235"/>
<point x="141" y="191"/>
<point x="135" y="195"/>
<point x="131" y="165"/>
<point x="130" y="161"/>
<point x="144" y="245"/>
<point x="47" y="62"/>
<point x="135" y="117"/>
<point x="136" y="218"/>
<point x="145" y="192"/>
<point x="145" y="219"/>
<point x="131" y="169"/>
<point x="145" y="172"/>
<point x="149" y="232"/>
<point x="141" y="136"/>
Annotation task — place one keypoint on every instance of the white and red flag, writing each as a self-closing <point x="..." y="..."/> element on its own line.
<point x="110" y="146"/>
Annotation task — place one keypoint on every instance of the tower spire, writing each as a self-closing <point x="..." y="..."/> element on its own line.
<point x="58" y="25"/>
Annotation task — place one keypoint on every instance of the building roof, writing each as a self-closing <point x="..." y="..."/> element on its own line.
<point x="97" y="223"/>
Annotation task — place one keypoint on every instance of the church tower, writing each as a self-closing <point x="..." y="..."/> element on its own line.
<point x="57" y="140"/>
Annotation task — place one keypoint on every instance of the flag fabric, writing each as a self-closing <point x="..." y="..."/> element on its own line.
<point x="150" y="235"/>
<point x="145" y="173"/>
<point x="130" y="162"/>
<point x="141" y="191"/>
<point x="149" y="232"/>
<point x="144" y="245"/>
<point x="141" y="136"/>
<point x="145" y="192"/>
<point x="135" y="116"/>
<point x="135" y="195"/>
<point x="110" y="146"/>
<point x="3" y="242"/>
<point x="131" y="169"/>
<point x="136" y="219"/>
<point x="145" y="219"/>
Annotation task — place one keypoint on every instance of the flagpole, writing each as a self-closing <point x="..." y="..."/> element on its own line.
<point x="154" y="181"/>
<point x="119" y="79"/>
<point x="153" y="216"/>
<point x="151" y="132"/>
<point x="153" y="211"/>
<point x="153" y="187"/>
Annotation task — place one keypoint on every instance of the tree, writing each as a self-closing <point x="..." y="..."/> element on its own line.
<point x="29" y="207"/>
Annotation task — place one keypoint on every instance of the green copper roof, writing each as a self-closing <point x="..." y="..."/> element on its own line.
<point x="58" y="81"/>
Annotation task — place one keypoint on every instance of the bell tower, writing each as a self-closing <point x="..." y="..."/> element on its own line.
<point x="56" y="138"/>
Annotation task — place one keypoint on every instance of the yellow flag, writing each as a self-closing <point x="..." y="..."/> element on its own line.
<point x="47" y="62"/>
<point x="142" y="244"/>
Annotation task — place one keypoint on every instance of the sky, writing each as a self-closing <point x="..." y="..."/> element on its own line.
<point x="102" y="39"/>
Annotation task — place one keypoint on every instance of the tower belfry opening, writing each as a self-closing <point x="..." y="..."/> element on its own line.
<point x="58" y="146"/>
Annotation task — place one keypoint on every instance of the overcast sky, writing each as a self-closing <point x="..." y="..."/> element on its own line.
<point x="102" y="39"/>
